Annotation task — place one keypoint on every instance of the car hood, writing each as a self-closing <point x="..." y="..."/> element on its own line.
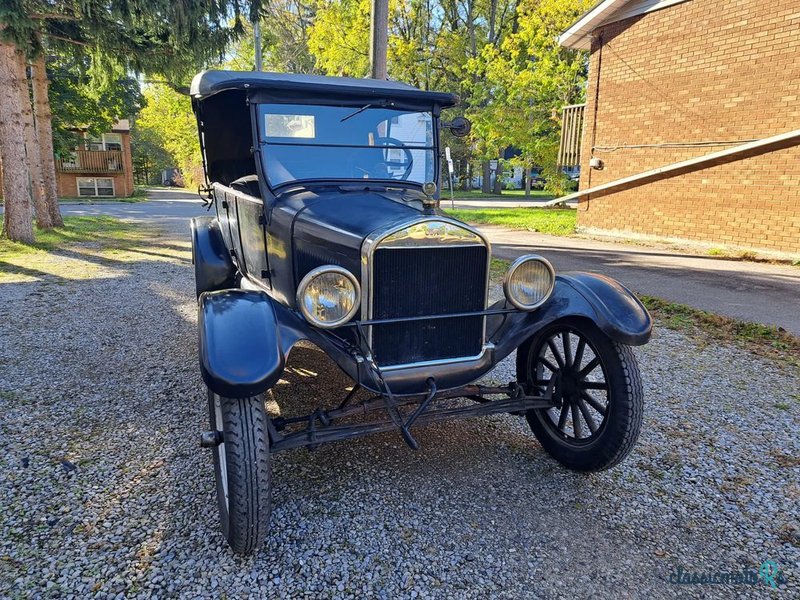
<point x="347" y="216"/>
<point x="328" y="224"/>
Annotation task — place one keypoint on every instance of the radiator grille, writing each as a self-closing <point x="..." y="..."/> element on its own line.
<point x="412" y="282"/>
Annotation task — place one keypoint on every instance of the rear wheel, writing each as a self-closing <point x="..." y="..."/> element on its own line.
<point x="241" y="469"/>
<point x="597" y="391"/>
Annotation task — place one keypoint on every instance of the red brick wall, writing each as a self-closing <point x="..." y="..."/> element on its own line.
<point x="699" y="71"/>
<point x="67" y="183"/>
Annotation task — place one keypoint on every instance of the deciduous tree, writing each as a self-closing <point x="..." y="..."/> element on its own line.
<point x="522" y="82"/>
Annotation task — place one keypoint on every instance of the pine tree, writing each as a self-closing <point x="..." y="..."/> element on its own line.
<point x="155" y="37"/>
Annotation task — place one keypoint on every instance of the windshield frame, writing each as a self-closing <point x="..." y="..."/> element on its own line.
<point x="261" y="148"/>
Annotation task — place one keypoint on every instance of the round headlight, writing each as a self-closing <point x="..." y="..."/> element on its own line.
<point x="529" y="282"/>
<point x="328" y="296"/>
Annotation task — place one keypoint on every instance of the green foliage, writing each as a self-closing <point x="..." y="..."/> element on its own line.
<point x="167" y="122"/>
<point x="77" y="103"/>
<point x="520" y="85"/>
<point x="766" y="340"/>
<point x="163" y="37"/>
<point x="148" y="154"/>
<point x="285" y="27"/>
<point x="338" y="38"/>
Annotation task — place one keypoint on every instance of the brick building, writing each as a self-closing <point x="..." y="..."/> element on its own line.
<point x="102" y="166"/>
<point x="693" y="107"/>
<point x="99" y="167"/>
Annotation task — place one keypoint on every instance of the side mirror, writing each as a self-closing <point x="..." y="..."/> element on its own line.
<point x="459" y="127"/>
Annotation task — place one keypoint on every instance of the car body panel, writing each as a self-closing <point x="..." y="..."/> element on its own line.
<point x="214" y="269"/>
<point x="240" y="350"/>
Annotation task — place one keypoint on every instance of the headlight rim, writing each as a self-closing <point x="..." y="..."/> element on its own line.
<point x="512" y="269"/>
<point x="309" y="277"/>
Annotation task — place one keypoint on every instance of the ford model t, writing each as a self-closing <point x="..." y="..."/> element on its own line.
<point x="326" y="228"/>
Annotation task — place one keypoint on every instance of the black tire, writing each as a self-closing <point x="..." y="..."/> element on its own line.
<point x="242" y="470"/>
<point x="616" y="400"/>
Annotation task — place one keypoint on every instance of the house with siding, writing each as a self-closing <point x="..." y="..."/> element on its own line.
<point x="691" y="128"/>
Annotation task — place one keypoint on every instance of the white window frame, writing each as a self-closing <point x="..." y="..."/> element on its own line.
<point x="102" y="141"/>
<point x="106" y="142"/>
<point x="94" y="180"/>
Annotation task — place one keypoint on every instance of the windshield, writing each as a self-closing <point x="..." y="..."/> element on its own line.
<point x="302" y="141"/>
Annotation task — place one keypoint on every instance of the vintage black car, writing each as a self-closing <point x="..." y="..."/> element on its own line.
<point x="326" y="228"/>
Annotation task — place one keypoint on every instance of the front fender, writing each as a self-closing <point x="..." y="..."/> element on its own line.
<point x="605" y="301"/>
<point x="240" y="345"/>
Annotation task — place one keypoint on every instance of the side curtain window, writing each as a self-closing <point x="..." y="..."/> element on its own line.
<point x="253" y="241"/>
<point x="223" y="208"/>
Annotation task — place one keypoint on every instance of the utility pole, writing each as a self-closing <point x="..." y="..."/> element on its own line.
<point x="257" y="43"/>
<point x="379" y="38"/>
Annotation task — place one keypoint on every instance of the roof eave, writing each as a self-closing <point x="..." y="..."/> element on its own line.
<point x="579" y="35"/>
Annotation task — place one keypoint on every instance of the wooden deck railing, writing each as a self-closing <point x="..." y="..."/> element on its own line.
<point x="92" y="161"/>
<point x="569" y="152"/>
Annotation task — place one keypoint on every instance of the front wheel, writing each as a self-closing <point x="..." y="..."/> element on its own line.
<point x="597" y="393"/>
<point x="241" y="469"/>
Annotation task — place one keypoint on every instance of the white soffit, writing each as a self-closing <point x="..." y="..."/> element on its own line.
<point x="579" y="35"/>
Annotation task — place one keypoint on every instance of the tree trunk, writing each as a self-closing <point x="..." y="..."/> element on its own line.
<point x="32" y="157"/>
<point x="44" y="131"/>
<point x="498" y="178"/>
<point x="17" y="220"/>
<point x="486" y="182"/>
<point x="527" y="175"/>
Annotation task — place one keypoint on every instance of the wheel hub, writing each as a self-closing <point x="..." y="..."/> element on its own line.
<point x="569" y="384"/>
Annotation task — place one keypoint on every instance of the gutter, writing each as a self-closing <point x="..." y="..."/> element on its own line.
<point x="775" y="142"/>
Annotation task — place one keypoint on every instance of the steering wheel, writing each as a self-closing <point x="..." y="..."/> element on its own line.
<point x="408" y="161"/>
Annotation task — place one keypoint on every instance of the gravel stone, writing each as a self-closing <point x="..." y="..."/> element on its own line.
<point x="101" y="374"/>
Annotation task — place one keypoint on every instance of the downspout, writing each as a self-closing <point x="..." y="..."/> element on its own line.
<point x="596" y="101"/>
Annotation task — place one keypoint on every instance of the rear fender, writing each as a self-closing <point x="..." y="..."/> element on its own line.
<point x="240" y="345"/>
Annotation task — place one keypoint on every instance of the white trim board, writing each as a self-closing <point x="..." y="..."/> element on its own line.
<point x="782" y="140"/>
<point x="579" y="35"/>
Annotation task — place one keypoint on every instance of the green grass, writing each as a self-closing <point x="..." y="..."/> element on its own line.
<point x="554" y="221"/>
<point x="102" y="230"/>
<point x="478" y="195"/>
<point x="85" y="248"/>
<point x="498" y="269"/>
<point x="139" y="195"/>
<point x="766" y="340"/>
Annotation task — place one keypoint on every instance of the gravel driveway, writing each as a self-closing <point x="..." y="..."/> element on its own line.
<point x="104" y="489"/>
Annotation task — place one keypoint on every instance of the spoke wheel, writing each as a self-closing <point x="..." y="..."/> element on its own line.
<point x="241" y="470"/>
<point x="597" y="394"/>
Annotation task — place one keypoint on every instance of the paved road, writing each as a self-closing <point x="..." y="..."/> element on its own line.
<point x="762" y="293"/>
<point x="758" y="292"/>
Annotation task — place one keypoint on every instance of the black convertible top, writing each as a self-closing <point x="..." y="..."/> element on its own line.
<point x="288" y="85"/>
